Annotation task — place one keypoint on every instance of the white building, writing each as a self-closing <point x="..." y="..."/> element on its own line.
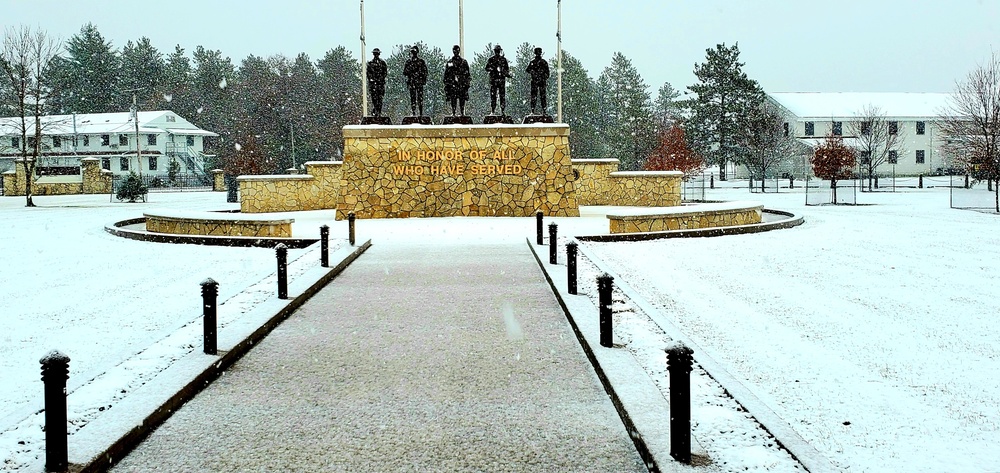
<point x="811" y="116"/>
<point x="163" y="138"/>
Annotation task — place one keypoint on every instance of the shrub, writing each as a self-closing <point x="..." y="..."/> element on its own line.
<point x="132" y="188"/>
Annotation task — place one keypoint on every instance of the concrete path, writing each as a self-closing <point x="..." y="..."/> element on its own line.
<point x="416" y="358"/>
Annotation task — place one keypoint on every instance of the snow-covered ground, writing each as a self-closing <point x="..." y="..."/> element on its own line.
<point x="870" y="329"/>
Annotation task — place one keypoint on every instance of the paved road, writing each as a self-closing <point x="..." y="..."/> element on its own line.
<point x="416" y="358"/>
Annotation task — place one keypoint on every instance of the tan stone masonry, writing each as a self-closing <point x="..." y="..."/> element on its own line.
<point x="445" y="171"/>
<point x="92" y="180"/>
<point x="314" y="190"/>
<point x="687" y="217"/>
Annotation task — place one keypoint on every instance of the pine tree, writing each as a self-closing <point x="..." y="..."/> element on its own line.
<point x="339" y="96"/>
<point x="142" y="70"/>
<point x="88" y="79"/>
<point x="725" y="96"/>
<point x="213" y="73"/>
<point x="176" y="91"/>
<point x="667" y="108"/>
<point x="580" y="110"/>
<point x="628" y="127"/>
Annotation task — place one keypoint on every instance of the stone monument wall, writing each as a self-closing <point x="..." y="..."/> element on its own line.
<point x="315" y="190"/>
<point x="92" y="180"/>
<point x="444" y="171"/>
<point x="600" y="183"/>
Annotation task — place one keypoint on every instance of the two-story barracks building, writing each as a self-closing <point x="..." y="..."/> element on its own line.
<point x="163" y="138"/>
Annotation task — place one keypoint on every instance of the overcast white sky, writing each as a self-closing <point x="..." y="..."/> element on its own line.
<point x="787" y="45"/>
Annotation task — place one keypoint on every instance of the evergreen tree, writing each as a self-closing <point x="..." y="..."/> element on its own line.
<point x="725" y="97"/>
<point x="307" y="130"/>
<point x="667" y="108"/>
<point x="88" y="79"/>
<point x="339" y="97"/>
<point x="213" y="73"/>
<point x="176" y="91"/>
<point x="629" y="128"/>
<point x="519" y="87"/>
<point x="580" y="109"/>
<point x="142" y="71"/>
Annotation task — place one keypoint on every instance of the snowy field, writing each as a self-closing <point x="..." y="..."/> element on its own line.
<point x="870" y="329"/>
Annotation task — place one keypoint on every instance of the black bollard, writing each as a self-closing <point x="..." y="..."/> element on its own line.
<point x="324" y="246"/>
<point x="920" y="181"/>
<point x="209" y="295"/>
<point x="571" y="249"/>
<point x="538" y="228"/>
<point x="350" y="228"/>
<point x="605" y="284"/>
<point x="791" y="182"/>
<point x="282" y="253"/>
<point x="679" y="362"/>
<point x="711" y="181"/>
<point x="55" y="372"/>
<point x="966" y="181"/>
<point x="553" y="242"/>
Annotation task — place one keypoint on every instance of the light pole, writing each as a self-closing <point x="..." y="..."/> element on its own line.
<point x="135" y="118"/>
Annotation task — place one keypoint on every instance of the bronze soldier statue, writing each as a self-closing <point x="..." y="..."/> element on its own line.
<point x="415" y="72"/>
<point x="538" y="69"/>
<point x="499" y="71"/>
<point x="376" y="73"/>
<point x="457" y="80"/>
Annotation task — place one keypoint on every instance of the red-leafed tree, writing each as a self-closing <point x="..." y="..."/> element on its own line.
<point x="672" y="153"/>
<point x="833" y="160"/>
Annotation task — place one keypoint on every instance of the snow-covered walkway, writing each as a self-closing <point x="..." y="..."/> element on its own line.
<point x="417" y="358"/>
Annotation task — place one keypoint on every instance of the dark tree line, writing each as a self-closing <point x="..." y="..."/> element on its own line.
<point x="274" y="113"/>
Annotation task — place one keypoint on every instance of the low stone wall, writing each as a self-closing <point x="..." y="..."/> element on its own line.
<point x="218" y="180"/>
<point x="315" y="190"/>
<point x="592" y="179"/>
<point x="447" y="171"/>
<point x="687" y="217"/>
<point x="600" y="183"/>
<point x="92" y="180"/>
<point x="217" y="224"/>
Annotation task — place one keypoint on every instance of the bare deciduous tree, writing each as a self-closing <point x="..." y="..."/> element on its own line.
<point x="764" y="143"/>
<point x="876" y="136"/>
<point x="971" y="123"/>
<point x="25" y="57"/>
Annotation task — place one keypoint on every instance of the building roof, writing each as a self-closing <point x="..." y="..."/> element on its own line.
<point x="827" y="105"/>
<point x="107" y="123"/>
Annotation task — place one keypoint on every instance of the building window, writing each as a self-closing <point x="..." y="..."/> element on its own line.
<point x="866" y="157"/>
<point x="866" y="128"/>
<point x="920" y="128"/>
<point x="86" y="140"/>
<point x="31" y="142"/>
<point x="838" y="128"/>
<point x="15" y="142"/>
<point x="151" y="139"/>
<point x="123" y="164"/>
<point x="122" y="140"/>
<point x="190" y="140"/>
<point x="106" y="164"/>
<point x="171" y="118"/>
<point x="810" y="128"/>
<point x="785" y="126"/>
<point x="893" y="128"/>
<point x="152" y="162"/>
<point x="105" y="140"/>
<point x="57" y="142"/>
<point x="893" y="156"/>
<point x="920" y="156"/>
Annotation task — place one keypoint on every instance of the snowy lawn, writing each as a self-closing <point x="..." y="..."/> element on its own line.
<point x="871" y="329"/>
<point x="67" y="284"/>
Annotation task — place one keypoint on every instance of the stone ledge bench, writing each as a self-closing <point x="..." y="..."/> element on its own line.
<point x="686" y="217"/>
<point x="217" y="224"/>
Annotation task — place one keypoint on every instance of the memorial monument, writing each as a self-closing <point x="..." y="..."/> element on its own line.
<point x="457" y="80"/>
<point x="415" y="72"/>
<point x="376" y="71"/>
<point x="538" y="71"/>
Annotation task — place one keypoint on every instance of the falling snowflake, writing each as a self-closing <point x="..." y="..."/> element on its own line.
<point x="168" y="97"/>
<point x="237" y="146"/>
<point x="201" y="109"/>
<point x="223" y="83"/>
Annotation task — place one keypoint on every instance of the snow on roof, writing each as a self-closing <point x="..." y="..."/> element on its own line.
<point x="848" y="104"/>
<point x="117" y="122"/>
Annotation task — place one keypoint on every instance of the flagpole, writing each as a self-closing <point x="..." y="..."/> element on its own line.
<point x="364" y="72"/>
<point x="559" y="67"/>
<point x="461" y="27"/>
